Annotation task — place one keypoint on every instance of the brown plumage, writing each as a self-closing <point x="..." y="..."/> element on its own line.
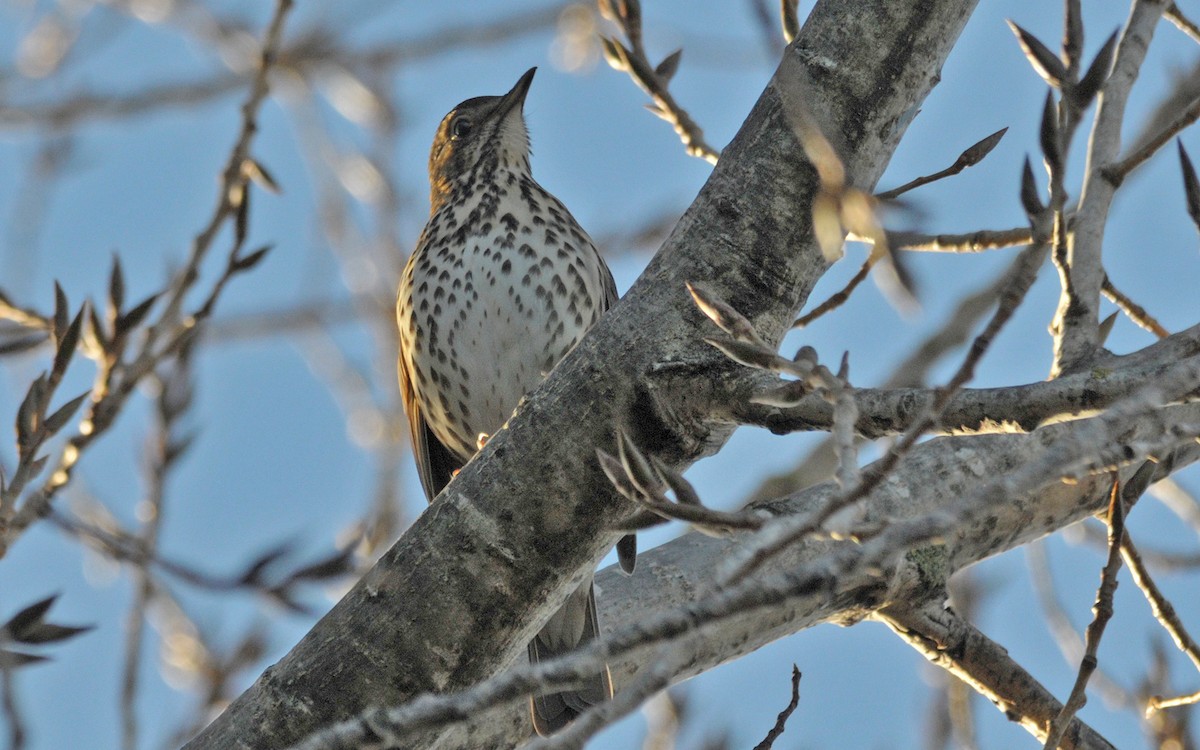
<point x="502" y="284"/>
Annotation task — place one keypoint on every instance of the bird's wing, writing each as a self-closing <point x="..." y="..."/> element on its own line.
<point x="435" y="462"/>
<point x="610" y="287"/>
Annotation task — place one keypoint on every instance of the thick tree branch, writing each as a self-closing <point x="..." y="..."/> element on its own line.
<point x="449" y="605"/>
<point x="954" y="644"/>
<point x="889" y="411"/>
<point x="818" y="580"/>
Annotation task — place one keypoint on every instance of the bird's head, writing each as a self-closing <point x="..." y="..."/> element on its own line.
<point x="484" y="133"/>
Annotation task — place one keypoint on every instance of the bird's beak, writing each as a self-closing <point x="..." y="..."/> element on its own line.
<point x="515" y="98"/>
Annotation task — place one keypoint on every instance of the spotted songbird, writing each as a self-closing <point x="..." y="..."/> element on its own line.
<point x="502" y="285"/>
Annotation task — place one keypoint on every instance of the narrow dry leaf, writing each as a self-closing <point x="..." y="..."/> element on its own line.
<point x="607" y="11"/>
<point x="669" y="66"/>
<point x="59" y="418"/>
<point x="96" y="339"/>
<point x="254" y="171"/>
<point x="1045" y="63"/>
<point x="116" y="288"/>
<point x="612" y="468"/>
<point x="131" y="319"/>
<point x="66" y="348"/>
<point x="1089" y="85"/>
<point x="1073" y="34"/>
<point x="250" y="260"/>
<point x="1048" y="135"/>
<point x="637" y="467"/>
<point x="22" y="344"/>
<point x="659" y="112"/>
<point x="977" y="152"/>
<point x="1191" y="186"/>
<point x="789" y="19"/>
<point x="29" y="413"/>
<point x="685" y="493"/>
<point x="743" y="353"/>
<point x="1106" y="326"/>
<point x="723" y="314"/>
<point x="827" y="227"/>
<point x="1030" y="195"/>
<point x="615" y="53"/>
<point x="62" y="312"/>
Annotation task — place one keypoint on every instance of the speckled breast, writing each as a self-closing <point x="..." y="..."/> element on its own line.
<point x="502" y="285"/>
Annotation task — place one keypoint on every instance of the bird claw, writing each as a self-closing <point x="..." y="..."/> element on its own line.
<point x="481" y="440"/>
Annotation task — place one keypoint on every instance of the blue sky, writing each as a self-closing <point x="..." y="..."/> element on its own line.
<point x="274" y="458"/>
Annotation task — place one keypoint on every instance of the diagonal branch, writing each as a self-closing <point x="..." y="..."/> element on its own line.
<point x="480" y="571"/>
<point x="944" y="638"/>
<point x="1077" y="322"/>
<point x="816" y="581"/>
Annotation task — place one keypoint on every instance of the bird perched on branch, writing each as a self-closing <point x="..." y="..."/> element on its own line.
<point x="502" y="284"/>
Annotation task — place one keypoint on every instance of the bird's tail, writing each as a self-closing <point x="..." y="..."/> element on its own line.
<point x="572" y="626"/>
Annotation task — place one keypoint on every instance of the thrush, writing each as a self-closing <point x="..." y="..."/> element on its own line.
<point x="503" y="283"/>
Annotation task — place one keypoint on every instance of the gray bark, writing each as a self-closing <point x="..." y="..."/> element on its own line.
<point x="461" y="593"/>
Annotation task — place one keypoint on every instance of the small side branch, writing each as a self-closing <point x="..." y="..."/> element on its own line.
<point x="653" y="79"/>
<point x="949" y="641"/>
<point x="1103" y="610"/>
<point x="1164" y="612"/>
<point x="781" y="720"/>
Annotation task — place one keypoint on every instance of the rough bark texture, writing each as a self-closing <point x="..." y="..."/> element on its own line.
<point x="935" y="477"/>
<point x="453" y="601"/>
<point x="1019" y="408"/>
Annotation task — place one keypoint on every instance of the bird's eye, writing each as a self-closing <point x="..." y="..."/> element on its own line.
<point x="460" y="128"/>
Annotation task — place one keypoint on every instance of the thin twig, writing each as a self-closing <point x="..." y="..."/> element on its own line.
<point x="1076" y="322"/>
<point x="1079" y="447"/>
<point x="1103" y="610"/>
<point x="165" y="447"/>
<point x="1065" y="636"/>
<point x="1133" y="310"/>
<point x="1182" y="22"/>
<point x="969" y="158"/>
<point x="781" y="720"/>
<point x="838" y="298"/>
<point x="650" y="78"/>
<point x="971" y="242"/>
<point x="1120" y="170"/>
<point x="12" y="712"/>
<point x="949" y="640"/>
<point x="308" y="56"/>
<point x="1160" y="607"/>
<point x="110" y="392"/>
<point x="1161" y="704"/>
<point x="1019" y="280"/>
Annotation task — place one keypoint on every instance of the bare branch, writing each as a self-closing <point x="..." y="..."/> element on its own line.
<point x="1018" y="283"/>
<point x="1103" y="610"/>
<point x="1133" y="310"/>
<point x="110" y="392"/>
<point x="1182" y="22"/>
<point x="633" y="60"/>
<point x="1117" y="172"/>
<point x="1076" y="323"/>
<point x="944" y="638"/>
<point x="781" y="721"/>
<point x="971" y="242"/>
<point x="1162" y="610"/>
<point x="969" y="158"/>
